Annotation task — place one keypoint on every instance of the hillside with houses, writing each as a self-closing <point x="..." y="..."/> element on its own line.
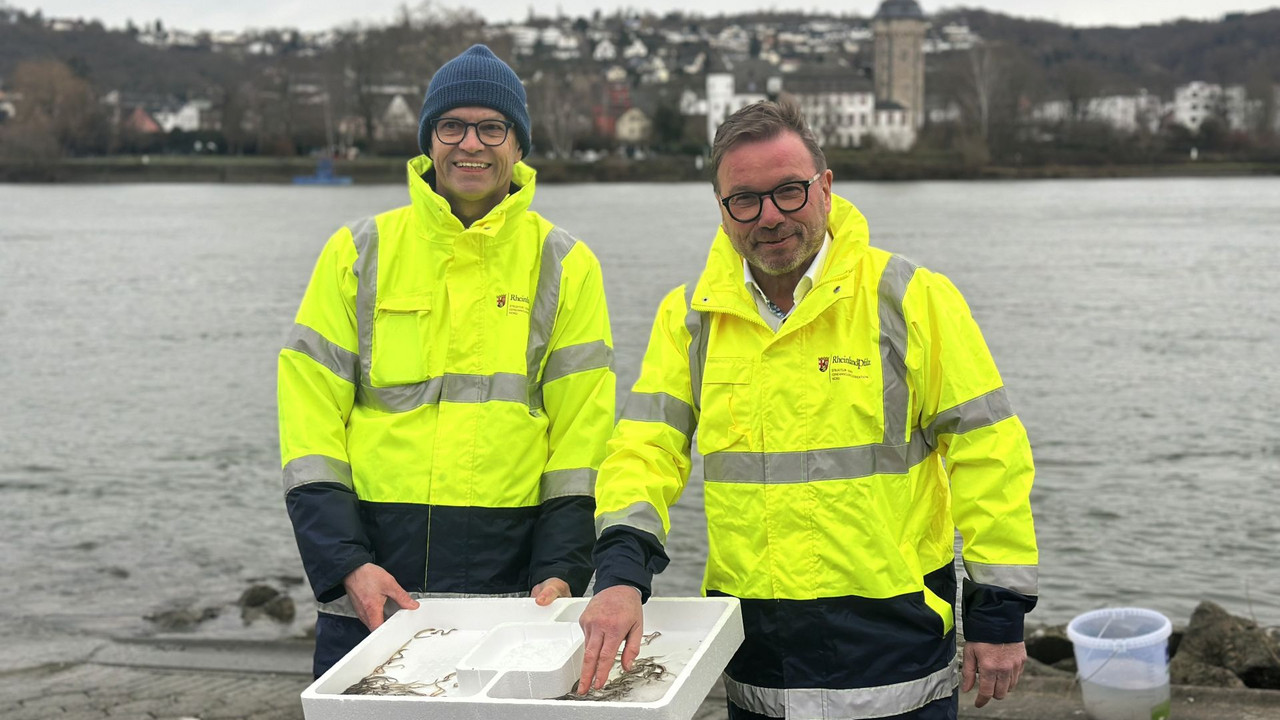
<point x="988" y="87"/>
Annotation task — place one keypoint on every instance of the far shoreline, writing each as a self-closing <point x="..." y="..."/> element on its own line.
<point x="658" y="168"/>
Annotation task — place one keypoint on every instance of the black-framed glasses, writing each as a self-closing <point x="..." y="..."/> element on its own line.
<point x="451" y="131"/>
<point x="788" y="197"/>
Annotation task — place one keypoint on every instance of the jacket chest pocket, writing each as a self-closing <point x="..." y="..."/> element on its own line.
<point x="726" y="404"/>
<point x="401" y="340"/>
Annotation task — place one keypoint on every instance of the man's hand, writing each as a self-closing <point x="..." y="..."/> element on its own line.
<point x="997" y="667"/>
<point x="369" y="588"/>
<point x="550" y="589"/>
<point x="613" y="615"/>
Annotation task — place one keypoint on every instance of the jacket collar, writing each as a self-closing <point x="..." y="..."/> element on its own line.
<point x="721" y="288"/>
<point x="437" y="220"/>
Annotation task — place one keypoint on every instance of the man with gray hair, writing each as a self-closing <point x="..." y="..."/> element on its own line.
<point x="850" y="418"/>
<point x="448" y="387"/>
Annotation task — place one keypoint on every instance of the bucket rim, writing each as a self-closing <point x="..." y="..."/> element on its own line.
<point x="1160" y="634"/>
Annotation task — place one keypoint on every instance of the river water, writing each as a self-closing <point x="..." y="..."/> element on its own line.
<point x="1136" y="324"/>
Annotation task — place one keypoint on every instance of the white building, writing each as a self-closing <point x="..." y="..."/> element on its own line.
<point x="564" y="45"/>
<point x="523" y="39"/>
<point x="633" y="127"/>
<point x="733" y="87"/>
<point x="1196" y="102"/>
<point x="954" y="36"/>
<point x="192" y="116"/>
<point x="1242" y="114"/>
<point x="894" y="128"/>
<point x="604" y="52"/>
<point x="260" y="47"/>
<point x="653" y="71"/>
<point x="695" y="67"/>
<point x="1125" y="113"/>
<point x="636" y="50"/>
<point x="692" y="104"/>
<point x="839" y="105"/>
<point x="1051" y="112"/>
<point x="1128" y="113"/>
<point x="398" y="119"/>
<point x="732" y="39"/>
<point x="394" y="118"/>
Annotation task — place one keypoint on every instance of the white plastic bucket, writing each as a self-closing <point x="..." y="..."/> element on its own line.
<point x="1122" y="659"/>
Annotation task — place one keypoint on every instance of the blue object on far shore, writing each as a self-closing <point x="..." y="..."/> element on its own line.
<point x="323" y="175"/>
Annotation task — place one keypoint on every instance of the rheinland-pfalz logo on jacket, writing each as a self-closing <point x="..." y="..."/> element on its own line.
<point x="514" y="304"/>
<point x="839" y="367"/>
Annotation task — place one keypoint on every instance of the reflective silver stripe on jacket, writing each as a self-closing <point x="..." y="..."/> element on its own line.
<point x="337" y="360"/>
<point x="342" y="606"/>
<point x="835" y="704"/>
<point x="894" y="280"/>
<point x="815" y="465"/>
<point x="460" y="388"/>
<point x="699" y="326"/>
<point x="542" y="316"/>
<point x="660" y="407"/>
<point x="641" y="516"/>
<point x="979" y="412"/>
<point x="577" y="358"/>
<point x="310" y="469"/>
<point x="450" y="387"/>
<point x="364" y="235"/>
<point x="574" y="482"/>
<point x="1018" y="578"/>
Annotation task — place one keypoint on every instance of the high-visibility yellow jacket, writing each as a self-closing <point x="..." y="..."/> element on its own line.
<point x="840" y="454"/>
<point x="444" y="400"/>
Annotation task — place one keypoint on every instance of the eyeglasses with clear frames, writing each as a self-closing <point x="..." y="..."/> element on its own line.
<point x="788" y="197"/>
<point x="452" y="131"/>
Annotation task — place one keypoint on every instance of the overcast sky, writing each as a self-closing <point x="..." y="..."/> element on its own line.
<point x="325" y="14"/>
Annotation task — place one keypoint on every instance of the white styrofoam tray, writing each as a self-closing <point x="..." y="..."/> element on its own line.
<point x="499" y="654"/>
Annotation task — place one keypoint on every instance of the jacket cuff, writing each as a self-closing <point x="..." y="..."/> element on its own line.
<point x="626" y="556"/>
<point x="336" y="573"/>
<point x="562" y="543"/>
<point x="330" y="536"/>
<point x="993" y="614"/>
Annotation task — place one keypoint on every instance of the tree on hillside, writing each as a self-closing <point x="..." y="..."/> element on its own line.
<point x="360" y="61"/>
<point x="57" y="115"/>
<point x="1080" y="84"/>
<point x="233" y="98"/>
<point x="668" y="126"/>
<point x="558" y="115"/>
<point x="370" y="65"/>
<point x="985" y="76"/>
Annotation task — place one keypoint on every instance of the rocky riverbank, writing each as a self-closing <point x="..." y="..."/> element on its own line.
<point x="1213" y="649"/>
<point x="256" y="602"/>
<point x="234" y="680"/>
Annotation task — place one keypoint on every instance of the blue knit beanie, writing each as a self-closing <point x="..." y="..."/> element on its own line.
<point x="477" y="77"/>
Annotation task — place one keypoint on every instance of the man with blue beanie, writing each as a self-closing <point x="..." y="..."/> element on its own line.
<point x="448" y="387"/>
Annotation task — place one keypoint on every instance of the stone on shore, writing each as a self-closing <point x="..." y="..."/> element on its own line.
<point x="260" y="600"/>
<point x="181" y="619"/>
<point x="1222" y="650"/>
<point x="1051" y="646"/>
